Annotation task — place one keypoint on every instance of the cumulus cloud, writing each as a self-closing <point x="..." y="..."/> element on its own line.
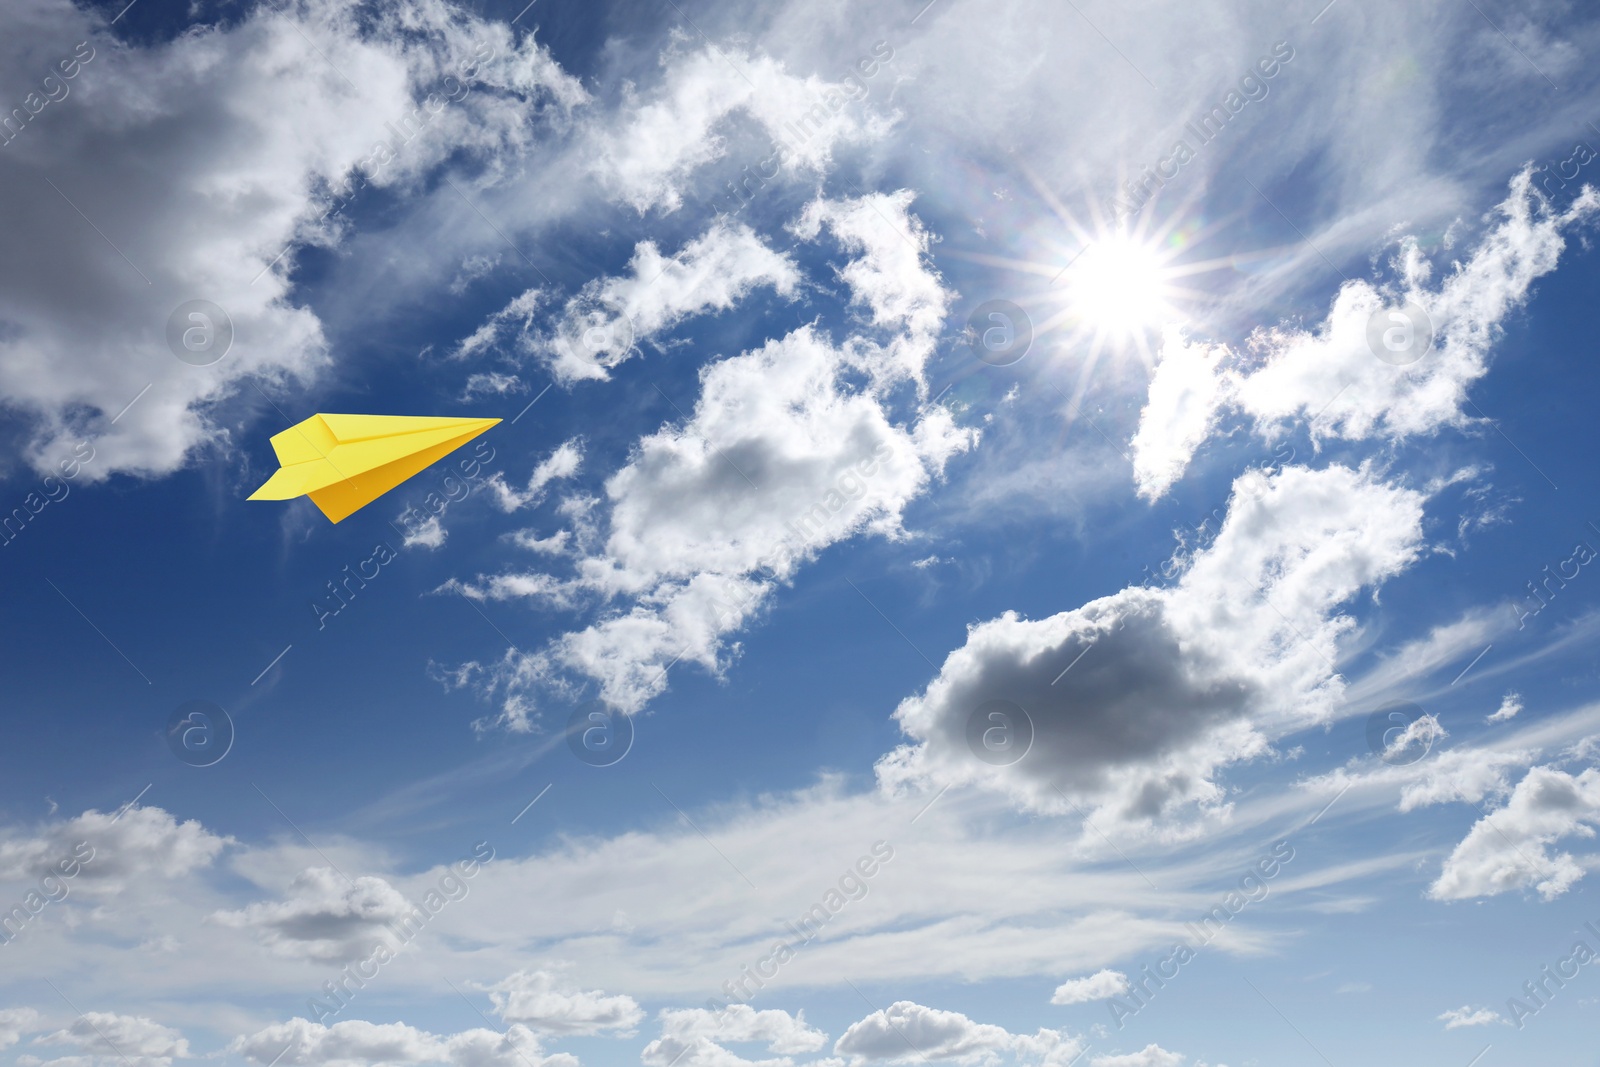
<point x="1510" y="707"/>
<point x="1466" y="1015"/>
<point x="646" y="158"/>
<point x="783" y="455"/>
<point x="779" y="459"/>
<point x="1464" y="774"/>
<point x="1184" y="395"/>
<point x="14" y="1022"/>
<point x="910" y="1032"/>
<point x="888" y="277"/>
<point x="543" y="1002"/>
<point x="696" y="1037"/>
<point x="167" y="183"/>
<point x="1152" y="1055"/>
<point x="1098" y="986"/>
<point x="599" y="326"/>
<point x="1510" y="848"/>
<point x="714" y="272"/>
<point x="1136" y="699"/>
<point x="123" y="1038"/>
<point x="136" y="843"/>
<point x="324" y="917"/>
<point x="358" y="1043"/>
<point x="1333" y="378"/>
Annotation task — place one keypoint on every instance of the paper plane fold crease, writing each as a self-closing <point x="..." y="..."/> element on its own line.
<point x="345" y="462"/>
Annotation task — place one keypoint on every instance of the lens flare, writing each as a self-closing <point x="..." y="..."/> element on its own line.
<point x="1118" y="288"/>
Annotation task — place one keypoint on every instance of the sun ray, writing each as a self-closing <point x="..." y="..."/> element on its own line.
<point x="1026" y="266"/>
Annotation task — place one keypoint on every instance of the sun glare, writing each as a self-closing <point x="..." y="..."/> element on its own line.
<point x="1118" y="288"/>
<point x="1108" y="285"/>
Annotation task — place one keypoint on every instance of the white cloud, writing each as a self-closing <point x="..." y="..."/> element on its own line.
<point x="649" y="155"/>
<point x="518" y="316"/>
<point x="1184" y="395"/>
<point x="358" y="1043"/>
<point x="1464" y="774"/>
<point x="1509" y="848"/>
<point x="561" y="463"/>
<point x="714" y="272"/>
<point x="1466" y="1015"/>
<point x="1138" y="698"/>
<point x="472" y="268"/>
<point x="1098" y="986"/>
<point x="14" y="1022"/>
<point x="1152" y="1055"/>
<point x="1397" y="673"/>
<point x="492" y="383"/>
<point x="121" y="1038"/>
<point x="325" y="917"/>
<point x="169" y="157"/>
<point x="778" y="460"/>
<point x="139" y="842"/>
<point x="1418" y="735"/>
<point x="429" y="533"/>
<point x="555" y="544"/>
<point x="782" y="456"/>
<point x="600" y="325"/>
<point x="541" y="1001"/>
<point x="909" y="1032"/>
<point x="888" y="276"/>
<point x="1510" y="707"/>
<point x="930" y="912"/>
<point x="517" y="1047"/>
<point x="1332" y="377"/>
<point x="696" y="1037"/>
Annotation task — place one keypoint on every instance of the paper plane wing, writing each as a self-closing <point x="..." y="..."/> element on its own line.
<point x="344" y="462"/>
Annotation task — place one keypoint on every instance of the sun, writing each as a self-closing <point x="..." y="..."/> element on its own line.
<point x="1117" y="291"/>
<point x="1119" y="288"/>
<point x="1107" y="284"/>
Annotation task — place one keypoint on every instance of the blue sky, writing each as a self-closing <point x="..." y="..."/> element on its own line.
<point x="1298" y="442"/>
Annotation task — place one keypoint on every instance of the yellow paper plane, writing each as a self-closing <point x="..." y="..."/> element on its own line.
<point x="345" y="462"/>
